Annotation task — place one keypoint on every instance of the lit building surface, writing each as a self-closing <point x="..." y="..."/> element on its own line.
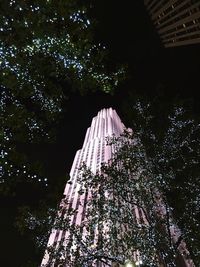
<point x="177" y="21"/>
<point x="94" y="152"/>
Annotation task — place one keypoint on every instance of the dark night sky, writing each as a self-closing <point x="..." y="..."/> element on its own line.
<point x="127" y="31"/>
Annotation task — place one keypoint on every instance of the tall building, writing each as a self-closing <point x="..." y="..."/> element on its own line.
<point x="94" y="152"/>
<point x="177" y="21"/>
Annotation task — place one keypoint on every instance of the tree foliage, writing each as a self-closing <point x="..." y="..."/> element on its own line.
<point x="47" y="50"/>
<point x="170" y="134"/>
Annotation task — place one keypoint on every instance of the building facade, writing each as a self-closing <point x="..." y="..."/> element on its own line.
<point x="177" y="21"/>
<point x="94" y="152"/>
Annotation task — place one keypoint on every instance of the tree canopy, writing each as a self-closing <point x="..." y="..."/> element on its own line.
<point x="47" y="51"/>
<point x="170" y="135"/>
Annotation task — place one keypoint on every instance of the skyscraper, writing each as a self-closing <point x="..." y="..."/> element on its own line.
<point x="177" y="21"/>
<point x="93" y="153"/>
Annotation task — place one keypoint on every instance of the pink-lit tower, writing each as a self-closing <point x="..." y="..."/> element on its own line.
<point x="93" y="153"/>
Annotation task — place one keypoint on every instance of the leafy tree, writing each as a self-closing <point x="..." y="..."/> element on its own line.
<point x="170" y="134"/>
<point x="36" y="224"/>
<point x="33" y="220"/>
<point x="47" y="50"/>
